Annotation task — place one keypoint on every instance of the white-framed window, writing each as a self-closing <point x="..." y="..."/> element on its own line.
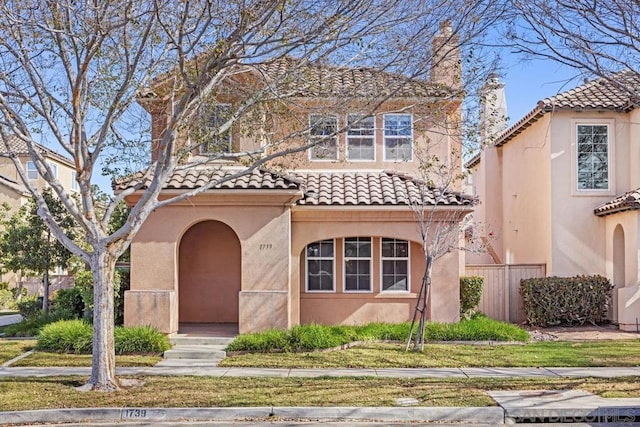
<point x="32" y="171"/>
<point x="217" y="142"/>
<point x="320" y="260"/>
<point x="395" y="265"/>
<point x="398" y="137"/>
<point x="74" y="181"/>
<point x="593" y="157"/>
<point x="357" y="264"/>
<point x="361" y="140"/>
<point x="322" y="134"/>
<point x="54" y="169"/>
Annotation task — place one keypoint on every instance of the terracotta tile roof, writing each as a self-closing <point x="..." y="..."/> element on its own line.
<point x="626" y="202"/>
<point x="371" y="188"/>
<point x="326" y="188"/>
<point x="304" y="79"/>
<point x="19" y="147"/>
<point x="188" y="179"/>
<point x="317" y="80"/>
<point x="620" y="93"/>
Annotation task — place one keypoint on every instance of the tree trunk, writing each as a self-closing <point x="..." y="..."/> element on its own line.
<point x="103" y="365"/>
<point x="45" y="299"/>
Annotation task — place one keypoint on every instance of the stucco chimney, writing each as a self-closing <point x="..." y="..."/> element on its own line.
<point x="494" y="109"/>
<point x="446" y="67"/>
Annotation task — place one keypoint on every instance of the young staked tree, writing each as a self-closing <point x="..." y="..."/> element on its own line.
<point x="72" y="71"/>
<point x="597" y="38"/>
<point x="27" y="244"/>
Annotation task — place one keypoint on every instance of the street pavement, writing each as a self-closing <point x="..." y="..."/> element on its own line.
<point x="10" y="319"/>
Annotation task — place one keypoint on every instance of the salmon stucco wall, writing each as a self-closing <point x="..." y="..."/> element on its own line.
<point x="578" y="236"/>
<point x="525" y="188"/>
<point x="341" y="307"/>
<point x="621" y="242"/>
<point x="261" y="224"/>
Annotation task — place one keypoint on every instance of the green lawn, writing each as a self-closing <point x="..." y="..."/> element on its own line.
<point x="14" y="348"/>
<point x="372" y="355"/>
<point x="40" y="358"/>
<point x="59" y="392"/>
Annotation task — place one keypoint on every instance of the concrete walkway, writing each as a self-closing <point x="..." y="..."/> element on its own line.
<point x="521" y="406"/>
<point x="10" y="319"/>
<point x="607" y="372"/>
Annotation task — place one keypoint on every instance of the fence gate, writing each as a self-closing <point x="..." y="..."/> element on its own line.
<point x="501" y="293"/>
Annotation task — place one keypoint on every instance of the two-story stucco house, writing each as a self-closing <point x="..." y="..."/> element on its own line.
<point x="560" y="187"/>
<point x="330" y="237"/>
<point x="14" y="194"/>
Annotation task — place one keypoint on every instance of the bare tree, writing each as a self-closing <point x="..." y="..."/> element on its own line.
<point x="73" y="70"/>
<point x="595" y="37"/>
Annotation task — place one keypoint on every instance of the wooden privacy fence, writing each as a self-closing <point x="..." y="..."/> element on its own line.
<point x="501" y="292"/>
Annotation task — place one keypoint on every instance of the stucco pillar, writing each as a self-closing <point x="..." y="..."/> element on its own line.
<point x="444" y="302"/>
<point x="152" y="307"/>
<point x="264" y="295"/>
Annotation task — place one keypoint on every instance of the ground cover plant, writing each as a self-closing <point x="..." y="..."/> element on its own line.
<point x="75" y="336"/>
<point x="313" y="337"/>
<point x="439" y="355"/>
<point x="59" y="392"/>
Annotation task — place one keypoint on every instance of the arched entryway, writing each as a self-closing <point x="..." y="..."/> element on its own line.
<point x="618" y="268"/>
<point x="209" y="274"/>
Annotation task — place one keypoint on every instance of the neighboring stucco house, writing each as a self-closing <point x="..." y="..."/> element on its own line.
<point x="330" y="237"/>
<point x="14" y="193"/>
<point x="560" y="187"/>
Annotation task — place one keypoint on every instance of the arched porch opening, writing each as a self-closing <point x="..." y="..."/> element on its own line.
<point x="209" y="274"/>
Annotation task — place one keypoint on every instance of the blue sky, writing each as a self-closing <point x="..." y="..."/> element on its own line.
<point x="527" y="82"/>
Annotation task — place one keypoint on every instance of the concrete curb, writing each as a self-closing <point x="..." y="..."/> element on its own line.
<point x="489" y="415"/>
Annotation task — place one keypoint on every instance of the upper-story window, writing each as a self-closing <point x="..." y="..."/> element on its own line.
<point x="32" y="171"/>
<point x="360" y="137"/>
<point x="216" y="142"/>
<point x="54" y="169"/>
<point x="398" y="137"/>
<point x="74" y="181"/>
<point x="592" y="142"/>
<point x="323" y="135"/>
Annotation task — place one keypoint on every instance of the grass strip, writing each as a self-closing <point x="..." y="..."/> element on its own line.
<point x="379" y="355"/>
<point x="14" y="348"/>
<point x="46" y="359"/>
<point x="59" y="392"/>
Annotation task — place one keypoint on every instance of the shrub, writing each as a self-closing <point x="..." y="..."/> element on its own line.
<point x="140" y="339"/>
<point x="477" y="328"/>
<point x="7" y="300"/>
<point x="313" y="336"/>
<point x="66" y="336"/>
<point x="566" y="300"/>
<point x="470" y="295"/>
<point x="68" y="302"/>
<point x="76" y="336"/>
<point x="30" y="327"/>
<point x="30" y="307"/>
<point x="263" y="342"/>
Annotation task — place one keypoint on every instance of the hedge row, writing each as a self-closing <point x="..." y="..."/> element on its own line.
<point x="470" y="295"/>
<point x="576" y="300"/>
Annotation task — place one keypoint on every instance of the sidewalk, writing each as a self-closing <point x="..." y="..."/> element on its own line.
<point x="605" y="372"/>
<point x="520" y="406"/>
